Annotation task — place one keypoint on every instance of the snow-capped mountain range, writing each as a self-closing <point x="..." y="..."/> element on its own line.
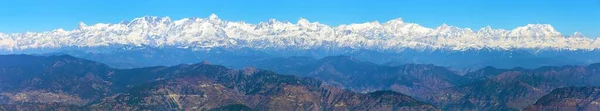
<point x="210" y="32"/>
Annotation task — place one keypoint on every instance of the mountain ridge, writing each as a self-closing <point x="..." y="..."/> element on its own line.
<point x="69" y="83"/>
<point x="210" y="32"/>
<point x="569" y="98"/>
<point x="488" y="88"/>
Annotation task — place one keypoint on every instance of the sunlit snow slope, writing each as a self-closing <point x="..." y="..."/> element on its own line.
<point x="210" y="32"/>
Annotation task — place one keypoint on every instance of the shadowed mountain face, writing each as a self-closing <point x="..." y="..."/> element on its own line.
<point x="127" y="56"/>
<point x="488" y="88"/>
<point x="513" y="89"/>
<point x="53" y="79"/>
<point x="353" y="74"/>
<point x="64" y="82"/>
<point x="569" y="99"/>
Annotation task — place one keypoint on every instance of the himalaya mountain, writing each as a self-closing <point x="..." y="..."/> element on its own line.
<point x="151" y="41"/>
<point x="211" y="32"/>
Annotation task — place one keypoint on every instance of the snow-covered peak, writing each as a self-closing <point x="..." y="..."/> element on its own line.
<point x="60" y="30"/>
<point x="486" y="29"/>
<point x="536" y="31"/>
<point x="444" y="26"/>
<point x="212" y="32"/>
<point x="396" y="21"/>
<point x="578" y="35"/>
<point x="82" y="25"/>
<point x="213" y="17"/>
<point x="446" y="29"/>
<point x="144" y="19"/>
<point x="272" y="21"/>
<point x="491" y="33"/>
<point x="360" y="27"/>
<point x="303" y="21"/>
<point x="148" y="21"/>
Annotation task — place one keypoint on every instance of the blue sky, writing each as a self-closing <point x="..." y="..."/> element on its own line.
<point x="567" y="16"/>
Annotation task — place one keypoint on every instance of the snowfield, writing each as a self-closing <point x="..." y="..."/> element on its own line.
<point x="210" y="32"/>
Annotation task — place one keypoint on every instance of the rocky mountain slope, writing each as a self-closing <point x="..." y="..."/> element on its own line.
<point x="515" y="89"/>
<point x="488" y="88"/>
<point x="64" y="82"/>
<point x="353" y="74"/>
<point x="569" y="99"/>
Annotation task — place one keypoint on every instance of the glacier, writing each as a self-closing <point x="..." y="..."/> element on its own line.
<point x="210" y="32"/>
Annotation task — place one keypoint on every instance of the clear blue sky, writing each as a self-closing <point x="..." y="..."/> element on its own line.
<point x="567" y="16"/>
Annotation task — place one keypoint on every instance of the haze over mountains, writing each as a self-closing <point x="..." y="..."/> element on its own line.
<point x="68" y="83"/>
<point x="151" y="41"/>
<point x="488" y="88"/>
